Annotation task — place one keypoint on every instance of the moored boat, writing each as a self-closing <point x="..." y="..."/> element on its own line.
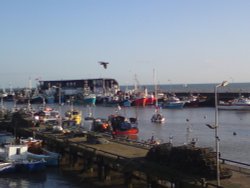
<point x="32" y="143"/>
<point x="157" y="117"/>
<point x="30" y="165"/>
<point x="51" y="158"/>
<point x="123" y="126"/>
<point x="74" y="116"/>
<point x="7" y="167"/>
<point x="100" y="125"/>
<point x="173" y="102"/>
<point x="240" y="103"/>
<point x="140" y="101"/>
<point x="46" y="114"/>
<point x="89" y="99"/>
<point x="195" y="100"/>
<point x="17" y="155"/>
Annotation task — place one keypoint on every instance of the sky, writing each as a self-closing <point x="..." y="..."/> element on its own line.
<point x="163" y="41"/>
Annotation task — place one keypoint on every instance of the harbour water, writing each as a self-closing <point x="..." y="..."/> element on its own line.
<point x="51" y="178"/>
<point x="180" y="125"/>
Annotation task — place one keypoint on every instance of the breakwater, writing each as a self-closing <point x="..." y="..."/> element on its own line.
<point x="107" y="161"/>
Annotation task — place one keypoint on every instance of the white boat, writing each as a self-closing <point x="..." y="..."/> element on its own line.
<point x="173" y="102"/>
<point x="157" y="117"/>
<point x="18" y="156"/>
<point x="241" y="103"/>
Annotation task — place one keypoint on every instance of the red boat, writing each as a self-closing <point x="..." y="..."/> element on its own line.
<point x="33" y="144"/>
<point x="140" y="101"/>
<point x="123" y="126"/>
<point x="150" y="100"/>
<point x="131" y="131"/>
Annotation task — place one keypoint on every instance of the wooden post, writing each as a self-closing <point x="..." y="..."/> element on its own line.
<point x="128" y="179"/>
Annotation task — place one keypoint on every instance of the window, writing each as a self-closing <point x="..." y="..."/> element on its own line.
<point x="18" y="151"/>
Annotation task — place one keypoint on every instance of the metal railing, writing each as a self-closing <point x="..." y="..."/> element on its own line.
<point x="236" y="165"/>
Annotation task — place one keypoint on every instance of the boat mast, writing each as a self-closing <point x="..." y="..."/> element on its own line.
<point x="155" y="84"/>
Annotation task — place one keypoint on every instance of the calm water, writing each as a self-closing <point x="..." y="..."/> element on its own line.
<point x="51" y="178"/>
<point x="234" y="147"/>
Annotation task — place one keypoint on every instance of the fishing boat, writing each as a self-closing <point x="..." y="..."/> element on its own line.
<point x="46" y="114"/>
<point x="240" y="103"/>
<point x="51" y="158"/>
<point x="89" y="99"/>
<point x="74" y="116"/>
<point x="195" y="100"/>
<point x="173" y="102"/>
<point x="101" y="125"/>
<point x="7" y="167"/>
<point x="17" y="155"/>
<point x="150" y="100"/>
<point x="32" y="143"/>
<point x="144" y="100"/>
<point x="125" y="103"/>
<point x="123" y="126"/>
<point x="30" y="165"/>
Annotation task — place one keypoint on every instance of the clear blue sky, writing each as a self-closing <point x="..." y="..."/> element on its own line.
<point x="185" y="41"/>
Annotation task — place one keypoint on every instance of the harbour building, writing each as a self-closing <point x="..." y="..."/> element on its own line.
<point x="73" y="87"/>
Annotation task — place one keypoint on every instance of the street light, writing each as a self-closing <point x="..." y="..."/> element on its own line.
<point x="215" y="127"/>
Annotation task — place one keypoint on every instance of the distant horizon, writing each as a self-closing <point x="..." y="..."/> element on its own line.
<point x="142" y="85"/>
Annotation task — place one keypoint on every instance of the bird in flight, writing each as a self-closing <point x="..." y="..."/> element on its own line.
<point x="104" y="64"/>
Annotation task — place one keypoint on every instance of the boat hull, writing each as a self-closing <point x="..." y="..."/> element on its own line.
<point x="173" y="105"/>
<point x="140" y="102"/>
<point x="6" y="168"/>
<point x="132" y="131"/>
<point x="30" y="166"/>
<point x="51" y="158"/>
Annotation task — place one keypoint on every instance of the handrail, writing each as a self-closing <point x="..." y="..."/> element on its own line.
<point x="232" y="161"/>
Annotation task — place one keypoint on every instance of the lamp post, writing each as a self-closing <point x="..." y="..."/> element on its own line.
<point x="215" y="127"/>
<point x="223" y="84"/>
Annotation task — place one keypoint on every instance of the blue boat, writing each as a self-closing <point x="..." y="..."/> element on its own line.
<point x="173" y="103"/>
<point x="30" y="165"/>
<point x="17" y="155"/>
<point x="89" y="99"/>
<point x="6" y="168"/>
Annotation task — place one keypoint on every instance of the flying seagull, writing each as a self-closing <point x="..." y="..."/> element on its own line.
<point x="104" y="64"/>
<point x="211" y="126"/>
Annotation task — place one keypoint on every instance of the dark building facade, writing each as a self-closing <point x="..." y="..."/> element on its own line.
<point x="97" y="85"/>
